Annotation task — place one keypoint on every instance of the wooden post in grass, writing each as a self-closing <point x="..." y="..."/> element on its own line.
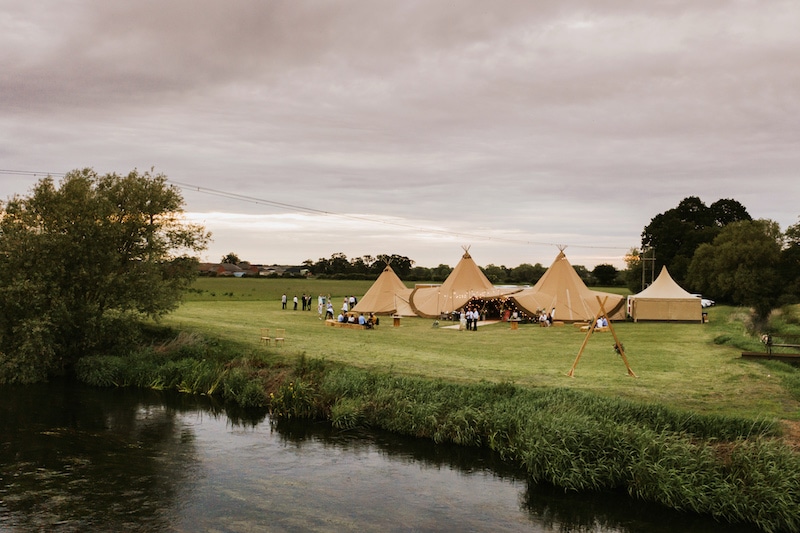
<point x="617" y="345"/>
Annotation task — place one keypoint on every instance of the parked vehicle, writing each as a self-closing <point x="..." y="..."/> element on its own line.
<point x="704" y="302"/>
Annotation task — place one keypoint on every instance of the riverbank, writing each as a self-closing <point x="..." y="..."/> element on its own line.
<point x="736" y="469"/>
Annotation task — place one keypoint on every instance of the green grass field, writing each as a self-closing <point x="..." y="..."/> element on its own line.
<point x="679" y="365"/>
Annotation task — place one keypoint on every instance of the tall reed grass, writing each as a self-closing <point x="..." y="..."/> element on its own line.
<point x="186" y="364"/>
<point x="733" y="469"/>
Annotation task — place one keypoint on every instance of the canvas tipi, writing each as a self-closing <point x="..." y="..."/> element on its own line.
<point x="562" y="289"/>
<point x="465" y="282"/>
<point x="387" y="296"/>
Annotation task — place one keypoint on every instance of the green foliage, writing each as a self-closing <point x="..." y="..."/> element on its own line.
<point x="605" y="274"/>
<point x="527" y="273"/>
<point x="32" y="355"/>
<point x="366" y="267"/>
<point x="230" y="258"/>
<point x="100" y="371"/>
<point x="741" y="266"/>
<point x="296" y="399"/>
<point x="676" y="233"/>
<point x="496" y="274"/>
<point x="347" y="413"/>
<point x="790" y="265"/>
<point x="80" y="259"/>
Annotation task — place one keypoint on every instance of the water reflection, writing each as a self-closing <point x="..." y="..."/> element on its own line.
<point x="71" y="458"/>
<point x="74" y="458"/>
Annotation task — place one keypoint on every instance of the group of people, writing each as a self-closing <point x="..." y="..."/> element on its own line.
<point x="305" y="299"/>
<point x="357" y="318"/>
<point x="349" y="303"/>
<point x="470" y="318"/>
<point x="545" y="318"/>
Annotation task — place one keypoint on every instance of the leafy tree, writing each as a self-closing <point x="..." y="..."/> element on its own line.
<point x="441" y="272"/>
<point x="605" y="275"/>
<point x="231" y="259"/>
<point x="741" y="266"/>
<point x="633" y="271"/>
<point x="339" y="264"/>
<point x="527" y="273"/>
<point x="583" y="273"/>
<point x="495" y="274"/>
<point x="399" y="263"/>
<point x="419" y="273"/>
<point x="790" y="265"/>
<point x="675" y="234"/>
<point x="80" y="260"/>
<point x="358" y="266"/>
<point x="727" y="211"/>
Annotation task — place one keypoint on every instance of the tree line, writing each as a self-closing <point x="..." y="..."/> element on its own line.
<point x="338" y="266"/>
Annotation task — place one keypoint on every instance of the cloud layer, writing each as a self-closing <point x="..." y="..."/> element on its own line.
<point x="505" y="126"/>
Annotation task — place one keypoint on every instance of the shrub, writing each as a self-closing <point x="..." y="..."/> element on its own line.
<point x="100" y="370"/>
<point x="296" y="399"/>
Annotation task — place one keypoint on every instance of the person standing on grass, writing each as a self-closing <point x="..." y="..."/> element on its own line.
<point x="283" y="301"/>
<point x="295" y="302"/>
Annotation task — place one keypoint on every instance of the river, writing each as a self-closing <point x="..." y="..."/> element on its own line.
<point x="76" y="458"/>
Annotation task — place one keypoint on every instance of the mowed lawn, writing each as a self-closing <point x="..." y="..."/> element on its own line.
<point x="677" y="364"/>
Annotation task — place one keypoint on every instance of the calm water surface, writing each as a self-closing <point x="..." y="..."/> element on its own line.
<point x="74" y="458"/>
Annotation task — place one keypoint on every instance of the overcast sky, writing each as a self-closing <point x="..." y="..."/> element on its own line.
<point x="413" y="127"/>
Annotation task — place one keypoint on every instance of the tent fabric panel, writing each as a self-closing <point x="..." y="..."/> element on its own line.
<point x="672" y="309"/>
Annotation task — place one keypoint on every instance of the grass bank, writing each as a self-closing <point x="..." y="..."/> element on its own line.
<point x="699" y="430"/>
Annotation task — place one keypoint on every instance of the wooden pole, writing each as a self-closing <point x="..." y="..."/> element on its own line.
<point x="617" y="343"/>
<point x="620" y="349"/>
<point x="571" y="372"/>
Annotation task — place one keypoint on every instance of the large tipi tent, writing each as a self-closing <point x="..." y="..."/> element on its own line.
<point x="563" y="289"/>
<point x="387" y="296"/>
<point x="465" y="282"/>
<point x="665" y="300"/>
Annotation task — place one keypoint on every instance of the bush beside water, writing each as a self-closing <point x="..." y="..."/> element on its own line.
<point x="734" y="469"/>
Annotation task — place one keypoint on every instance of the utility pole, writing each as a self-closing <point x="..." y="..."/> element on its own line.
<point x="652" y="260"/>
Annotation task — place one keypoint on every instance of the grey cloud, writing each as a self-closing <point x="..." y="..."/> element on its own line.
<point x="530" y="110"/>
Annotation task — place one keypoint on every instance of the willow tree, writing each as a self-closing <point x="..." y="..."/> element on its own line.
<point x="82" y="260"/>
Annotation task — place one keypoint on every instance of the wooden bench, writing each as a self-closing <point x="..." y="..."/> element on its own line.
<point x="596" y="330"/>
<point x="348" y="325"/>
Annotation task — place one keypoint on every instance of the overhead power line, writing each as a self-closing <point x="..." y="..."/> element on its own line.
<point x="299" y="208"/>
